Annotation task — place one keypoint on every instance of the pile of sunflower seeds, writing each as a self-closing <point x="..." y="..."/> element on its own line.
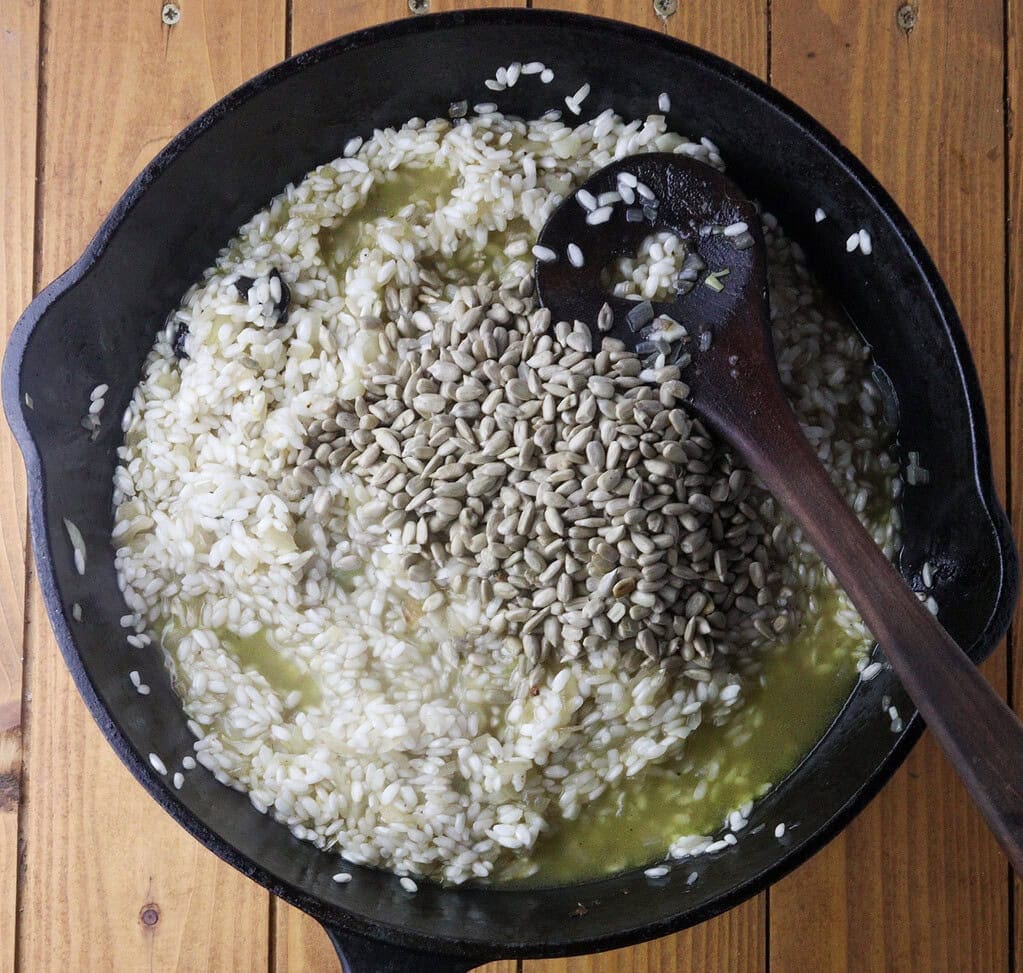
<point x="564" y="486"/>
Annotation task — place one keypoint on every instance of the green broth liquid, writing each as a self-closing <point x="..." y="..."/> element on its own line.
<point x="805" y="682"/>
<point x="254" y="653"/>
<point x="386" y="199"/>
<point x="432" y="186"/>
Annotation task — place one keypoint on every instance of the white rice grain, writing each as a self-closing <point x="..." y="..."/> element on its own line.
<point x="870" y="671"/>
<point x="77" y="543"/>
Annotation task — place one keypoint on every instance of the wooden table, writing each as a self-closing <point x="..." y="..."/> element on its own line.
<point x="93" y="875"/>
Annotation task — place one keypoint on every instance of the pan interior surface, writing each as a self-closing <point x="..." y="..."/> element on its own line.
<point x="189" y="203"/>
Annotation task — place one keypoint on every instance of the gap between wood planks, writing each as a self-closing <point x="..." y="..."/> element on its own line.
<point x="1012" y="99"/>
<point x="19" y="79"/>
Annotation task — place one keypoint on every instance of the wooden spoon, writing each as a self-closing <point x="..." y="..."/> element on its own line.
<point x="734" y="386"/>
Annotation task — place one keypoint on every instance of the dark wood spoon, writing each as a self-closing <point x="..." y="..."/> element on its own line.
<point x="734" y="386"/>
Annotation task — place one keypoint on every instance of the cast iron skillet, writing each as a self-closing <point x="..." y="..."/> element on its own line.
<point x="97" y="322"/>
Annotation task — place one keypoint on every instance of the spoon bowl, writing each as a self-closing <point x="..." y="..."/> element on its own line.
<point x="682" y="196"/>
<point x="721" y="300"/>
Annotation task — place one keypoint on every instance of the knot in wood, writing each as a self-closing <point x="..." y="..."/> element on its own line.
<point x="905" y="17"/>
<point x="10" y="791"/>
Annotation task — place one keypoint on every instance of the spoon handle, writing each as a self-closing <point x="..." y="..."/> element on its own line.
<point x="979" y="733"/>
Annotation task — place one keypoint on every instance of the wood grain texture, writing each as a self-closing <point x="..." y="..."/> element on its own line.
<point x="1014" y="343"/>
<point x="444" y="6"/>
<point x="19" y="60"/>
<point x="301" y="945"/>
<point x="316" y="21"/>
<point x="732" y="29"/>
<point x="299" y="942"/>
<point x="916" y="883"/>
<point x="732" y="943"/>
<point x="737" y="30"/>
<point x="109" y="882"/>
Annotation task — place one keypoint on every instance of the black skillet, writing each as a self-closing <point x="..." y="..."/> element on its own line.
<point x="97" y="322"/>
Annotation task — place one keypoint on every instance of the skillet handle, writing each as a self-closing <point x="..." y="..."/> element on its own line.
<point x="360" y="954"/>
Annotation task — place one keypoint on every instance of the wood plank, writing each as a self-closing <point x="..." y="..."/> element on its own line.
<point x="300" y="943"/>
<point x="109" y="882"/>
<point x="916" y="883"/>
<point x="443" y="6"/>
<point x="316" y="21"/>
<point x="1014" y="324"/>
<point x="732" y="29"/>
<point x="736" y="30"/>
<point x="19" y="80"/>
<point x="731" y="943"/>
